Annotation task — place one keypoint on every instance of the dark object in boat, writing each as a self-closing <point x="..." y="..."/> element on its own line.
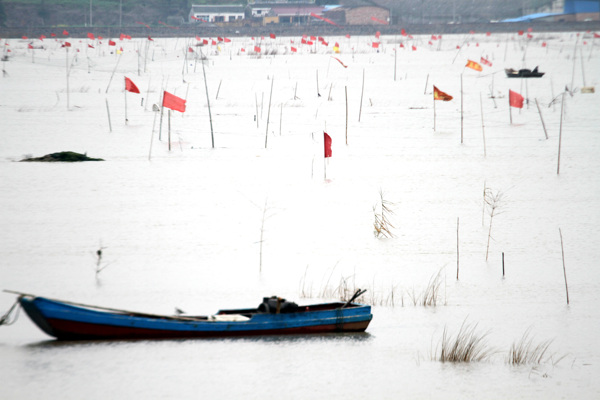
<point x="72" y="321"/>
<point x="523" y="73"/>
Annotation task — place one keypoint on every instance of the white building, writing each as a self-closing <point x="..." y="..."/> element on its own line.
<point x="216" y="13"/>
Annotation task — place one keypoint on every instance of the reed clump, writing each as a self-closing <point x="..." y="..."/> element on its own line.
<point x="526" y="352"/>
<point x="467" y="345"/>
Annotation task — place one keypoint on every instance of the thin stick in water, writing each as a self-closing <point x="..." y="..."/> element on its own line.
<point x="563" y="260"/>
<point x="541" y="118"/>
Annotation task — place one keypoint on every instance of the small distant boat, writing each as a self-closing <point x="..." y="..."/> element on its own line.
<point x="274" y="316"/>
<point x="523" y="73"/>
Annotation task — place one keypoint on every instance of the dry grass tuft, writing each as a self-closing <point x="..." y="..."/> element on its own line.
<point x="526" y="352"/>
<point x="467" y="346"/>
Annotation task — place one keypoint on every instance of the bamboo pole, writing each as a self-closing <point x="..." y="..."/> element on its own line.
<point x="509" y="108"/>
<point x="169" y="124"/>
<point x="280" y="117"/>
<point x="269" y="112"/>
<point x="126" y="120"/>
<point x="562" y="248"/>
<point x="482" y="125"/>
<point x="433" y="113"/>
<point x="361" y="95"/>
<point x="256" y="103"/>
<point x="212" y="134"/>
<point x="395" y="62"/>
<point x="541" y="118"/>
<point x="457" y="248"/>
<point x="426" y="82"/>
<point x="108" y="113"/>
<point x="318" y="92"/>
<point x="219" y="89"/>
<point x="67" y="71"/>
<point x="461" y="110"/>
<point x="111" y="76"/>
<point x="346" y="90"/>
<point x="562" y="106"/>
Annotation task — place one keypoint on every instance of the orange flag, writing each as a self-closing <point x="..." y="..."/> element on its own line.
<point x="474" y="65"/>
<point x="173" y="102"/>
<point x="130" y="86"/>
<point x="439" y="95"/>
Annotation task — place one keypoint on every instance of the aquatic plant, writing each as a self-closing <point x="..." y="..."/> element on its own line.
<point x="466" y="346"/>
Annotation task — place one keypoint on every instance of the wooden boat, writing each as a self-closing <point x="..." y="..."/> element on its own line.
<point x="523" y="73"/>
<point x="71" y="321"/>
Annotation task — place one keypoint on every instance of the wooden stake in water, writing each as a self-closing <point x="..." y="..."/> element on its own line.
<point x="482" y="125"/>
<point x="113" y="73"/>
<point x="541" y="118"/>
<point x="256" y="103"/>
<point x="212" y="134"/>
<point x="509" y="108"/>
<point x="269" y="112"/>
<point x="461" y="110"/>
<point x="346" y="90"/>
<point x="502" y="264"/>
<point x="426" y="82"/>
<point x="562" y="248"/>
<point x="169" y="125"/>
<point x="67" y="69"/>
<point x="457" y="249"/>
<point x="395" y="57"/>
<point x="433" y="113"/>
<point x="562" y="107"/>
<point x="108" y="113"/>
<point x="219" y="89"/>
<point x="361" y="95"/>
<point x="280" y="117"/>
<point x="318" y="92"/>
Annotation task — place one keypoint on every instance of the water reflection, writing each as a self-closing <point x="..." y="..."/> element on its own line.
<point x="329" y="338"/>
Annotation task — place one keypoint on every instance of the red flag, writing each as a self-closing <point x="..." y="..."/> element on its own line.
<point x="543" y="44"/>
<point x="377" y="34"/>
<point x="327" y="143"/>
<point x="29" y="46"/>
<point x="24" y="37"/>
<point x="130" y="86"/>
<point x="111" y="43"/>
<point x="190" y="50"/>
<point x="53" y="34"/>
<point x="596" y="35"/>
<point x="65" y="32"/>
<point x="403" y="32"/>
<point x="323" y="19"/>
<point x="515" y="99"/>
<point x="198" y="38"/>
<point x="303" y="41"/>
<point x="375" y="45"/>
<point x="146" y="25"/>
<point x="439" y="95"/>
<point x="340" y="61"/>
<point x="66" y="44"/>
<point x="204" y="41"/>
<point x="294" y="49"/>
<point x="219" y="38"/>
<point x="122" y="36"/>
<point x="486" y="61"/>
<point x="213" y="43"/>
<point x="90" y="36"/>
<point x="521" y="33"/>
<point x="414" y="48"/>
<point x="313" y="38"/>
<point x="227" y="40"/>
<point x="379" y="21"/>
<point x="150" y="39"/>
<point x="272" y="35"/>
<point x="90" y="46"/>
<point x="256" y="49"/>
<point x="173" y="102"/>
<point x="474" y="65"/>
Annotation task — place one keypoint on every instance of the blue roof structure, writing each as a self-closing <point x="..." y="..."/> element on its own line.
<point x="531" y="17"/>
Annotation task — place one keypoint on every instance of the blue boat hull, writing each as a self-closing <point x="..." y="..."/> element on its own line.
<point x="73" y="322"/>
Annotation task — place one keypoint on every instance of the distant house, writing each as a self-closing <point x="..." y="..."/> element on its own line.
<point x="284" y="12"/>
<point x="359" y="15"/>
<point x="216" y="13"/>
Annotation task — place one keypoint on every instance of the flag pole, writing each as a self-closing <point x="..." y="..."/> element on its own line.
<point x="543" y="124"/>
<point x="126" y="102"/>
<point x="108" y="113"/>
<point x="562" y="106"/>
<point x="434" y="112"/>
<point x="162" y="110"/>
<point x="346" y="90"/>
<point x="509" y="108"/>
<point x="212" y="135"/>
<point x="67" y="68"/>
<point x="169" y="124"/>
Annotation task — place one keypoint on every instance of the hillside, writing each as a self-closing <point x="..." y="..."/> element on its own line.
<point x="37" y="13"/>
